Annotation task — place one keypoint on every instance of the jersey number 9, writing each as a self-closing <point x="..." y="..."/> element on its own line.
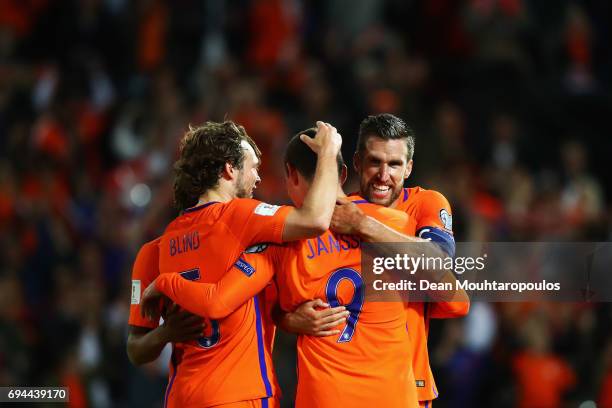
<point x="355" y="305"/>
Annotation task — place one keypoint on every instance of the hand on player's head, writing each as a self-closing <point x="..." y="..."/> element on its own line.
<point x="327" y="140"/>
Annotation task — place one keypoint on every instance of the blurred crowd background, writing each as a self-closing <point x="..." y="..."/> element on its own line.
<point x="510" y="99"/>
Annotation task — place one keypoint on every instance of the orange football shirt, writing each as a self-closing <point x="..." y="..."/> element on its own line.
<point x="366" y="364"/>
<point x="433" y="212"/>
<point x="373" y="349"/>
<point x="145" y="270"/>
<point x="201" y="245"/>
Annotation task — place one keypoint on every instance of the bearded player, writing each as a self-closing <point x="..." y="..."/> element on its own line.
<point x="383" y="161"/>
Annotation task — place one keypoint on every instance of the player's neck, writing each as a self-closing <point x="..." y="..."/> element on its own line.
<point x="217" y="195"/>
<point x="395" y="203"/>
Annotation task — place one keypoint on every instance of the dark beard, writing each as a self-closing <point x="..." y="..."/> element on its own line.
<point x="241" y="192"/>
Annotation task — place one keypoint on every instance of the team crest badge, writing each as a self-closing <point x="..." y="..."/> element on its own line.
<point x="447" y="219"/>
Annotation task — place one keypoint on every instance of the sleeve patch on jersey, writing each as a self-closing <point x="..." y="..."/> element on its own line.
<point x="255" y="249"/>
<point x="135" y="292"/>
<point x="267" y="210"/>
<point x="444" y="240"/>
<point x="447" y="219"/>
<point x="192" y="274"/>
<point x="245" y="267"/>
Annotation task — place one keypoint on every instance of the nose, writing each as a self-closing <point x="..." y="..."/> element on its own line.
<point x="383" y="173"/>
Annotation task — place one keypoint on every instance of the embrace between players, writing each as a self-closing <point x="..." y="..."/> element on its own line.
<point x="248" y="266"/>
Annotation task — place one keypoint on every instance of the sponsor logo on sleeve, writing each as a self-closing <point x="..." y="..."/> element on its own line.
<point x="135" y="292"/>
<point x="245" y="267"/>
<point x="267" y="210"/>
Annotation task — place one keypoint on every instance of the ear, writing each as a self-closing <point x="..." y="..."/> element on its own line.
<point x="408" y="169"/>
<point x="229" y="172"/>
<point x="292" y="174"/>
<point x="357" y="162"/>
<point x="343" y="174"/>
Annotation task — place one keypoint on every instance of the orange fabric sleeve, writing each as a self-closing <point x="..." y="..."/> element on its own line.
<point x="434" y="211"/>
<point x="398" y="220"/>
<point x="217" y="300"/>
<point x="448" y="310"/>
<point x="254" y="221"/>
<point x="145" y="270"/>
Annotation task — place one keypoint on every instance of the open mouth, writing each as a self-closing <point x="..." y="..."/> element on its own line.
<point x="380" y="191"/>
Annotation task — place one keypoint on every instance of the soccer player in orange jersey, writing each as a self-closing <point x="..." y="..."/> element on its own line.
<point x="369" y="352"/>
<point x="383" y="161"/>
<point x="179" y="326"/>
<point x="215" y="176"/>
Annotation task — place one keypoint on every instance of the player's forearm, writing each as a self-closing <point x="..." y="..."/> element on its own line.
<point x="449" y="310"/>
<point x="372" y="230"/>
<point x="319" y="202"/>
<point x="450" y="303"/>
<point x="143" y="348"/>
<point x="202" y="299"/>
<point x="284" y="320"/>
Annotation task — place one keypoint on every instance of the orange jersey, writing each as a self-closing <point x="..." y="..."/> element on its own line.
<point x="304" y="271"/>
<point x="366" y="364"/>
<point x="201" y="245"/>
<point x="145" y="270"/>
<point x="433" y="217"/>
<point x="432" y="214"/>
<point x="252" y="274"/>
<point x="248" y="278"/>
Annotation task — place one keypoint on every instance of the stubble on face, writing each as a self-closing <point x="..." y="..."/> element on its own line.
<point x="247" y="178"/>
<point x="242" y="189"/>
<point x="383" y="170"/>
